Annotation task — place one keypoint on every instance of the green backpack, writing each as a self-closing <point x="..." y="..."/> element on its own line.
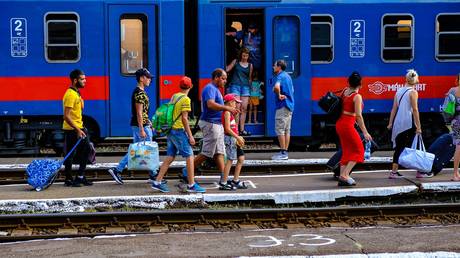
<point x="163" y="120"/>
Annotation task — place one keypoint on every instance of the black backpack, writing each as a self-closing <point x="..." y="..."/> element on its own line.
<point x="331" y="103"/>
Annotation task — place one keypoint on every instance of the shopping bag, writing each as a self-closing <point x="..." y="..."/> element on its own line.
<point x="143" y="156"/>
<point x="416" y="157"/>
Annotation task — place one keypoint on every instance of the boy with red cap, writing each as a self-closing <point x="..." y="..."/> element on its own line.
<point x="180" y="140"/>
<point x="233" y="143"/>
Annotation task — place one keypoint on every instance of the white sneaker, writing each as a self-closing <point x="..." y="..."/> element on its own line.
<point x="276" y="156"/>
<point x="280" y="156"/>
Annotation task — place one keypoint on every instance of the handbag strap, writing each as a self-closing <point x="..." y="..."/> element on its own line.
<point x="73" y="148"/>
<point x="417" y="143"/>
<point x="399" y="102"/>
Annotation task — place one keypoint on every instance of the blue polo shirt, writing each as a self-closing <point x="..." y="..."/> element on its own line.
<point x="287" y="89"/>
<point x="211" y="91"/>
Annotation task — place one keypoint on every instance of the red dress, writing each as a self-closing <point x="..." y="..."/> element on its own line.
<point x="352" y="147"/>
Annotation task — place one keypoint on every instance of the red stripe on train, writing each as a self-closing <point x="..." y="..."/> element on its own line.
<point x="50" y="88"/>
<point x="384" y="87"/>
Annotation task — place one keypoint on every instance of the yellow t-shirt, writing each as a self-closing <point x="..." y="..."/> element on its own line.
<point x="74" y="101"/>
<point x="182" y="105"/>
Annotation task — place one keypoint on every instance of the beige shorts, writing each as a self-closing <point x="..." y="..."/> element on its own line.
<point x="213" y="139"/>
<point x="283" y="118"/>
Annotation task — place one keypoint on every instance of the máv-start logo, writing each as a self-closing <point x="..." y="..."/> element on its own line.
<point x="379" y="87"/>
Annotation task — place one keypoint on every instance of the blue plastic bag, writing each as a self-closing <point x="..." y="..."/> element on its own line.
<point x="143" y="156"/>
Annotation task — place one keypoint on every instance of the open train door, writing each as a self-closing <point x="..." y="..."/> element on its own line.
<point x="132" y="45"/>
<point x="287" y="36"/>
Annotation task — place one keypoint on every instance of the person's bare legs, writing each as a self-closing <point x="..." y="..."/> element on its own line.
<point x="255" y="114"/>
<point x="219" y="158"/>
<point x="456" y="176"/>
<point x="394" y="167"/>
<point x="287" y="140"/>
<point x="239" y="165"/>
<point x="199" y="159"/>
<point x="251" y="108"/>
<point x="164" y="167"/>
<point x="282" y="140"/>
<point x="244" y="111"/>
<point x="238" y="107"/>
<point x="228" y="166"/>
<point x="189" y="162"/>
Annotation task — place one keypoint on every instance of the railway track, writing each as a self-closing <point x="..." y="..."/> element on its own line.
<point x="20" y="227"/>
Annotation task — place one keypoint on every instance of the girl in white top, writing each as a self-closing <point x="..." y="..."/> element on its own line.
<point x="404" y="119"/>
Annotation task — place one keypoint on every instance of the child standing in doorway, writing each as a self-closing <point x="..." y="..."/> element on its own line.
<point x="255" y="97"/>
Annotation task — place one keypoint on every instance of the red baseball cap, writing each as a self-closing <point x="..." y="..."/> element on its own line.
<point x="230" y="97"/>
<point x="185" y="83"/>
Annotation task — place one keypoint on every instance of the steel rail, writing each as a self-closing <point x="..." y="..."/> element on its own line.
<point x="207" y="219"/>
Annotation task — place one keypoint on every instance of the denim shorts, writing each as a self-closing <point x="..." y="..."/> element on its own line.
<point x="178" y="144"/>
<point x="239" y="90"/>
<point x="231" y="149"/>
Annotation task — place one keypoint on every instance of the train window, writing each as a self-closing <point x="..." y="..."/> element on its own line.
<point x="133" y="43"/>
<point x="448" y="37"/>
<point x="62" y="37"/>
<point x="397" y="38"/>
<point x="322" y="39"/>
<point x="286" y="42"/>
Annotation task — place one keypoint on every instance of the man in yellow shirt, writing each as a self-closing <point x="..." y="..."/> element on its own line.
<point x="180" y="140"/>
<point x="73" y="130"/>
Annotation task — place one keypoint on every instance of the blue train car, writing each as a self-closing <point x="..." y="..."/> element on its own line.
<point x="109" y="40"/>
<point x="324" y="41"/>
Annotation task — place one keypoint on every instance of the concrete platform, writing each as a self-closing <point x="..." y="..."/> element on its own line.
<point x="281" y="189"/>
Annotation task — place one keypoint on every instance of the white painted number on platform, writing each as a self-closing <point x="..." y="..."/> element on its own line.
<point x="298" y="239"/>
<point x="18" y="30"/>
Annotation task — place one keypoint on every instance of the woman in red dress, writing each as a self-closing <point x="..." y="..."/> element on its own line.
<point x="352" y="146"/>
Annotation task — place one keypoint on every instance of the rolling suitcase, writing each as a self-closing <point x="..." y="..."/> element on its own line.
<point x="443" y="148"/>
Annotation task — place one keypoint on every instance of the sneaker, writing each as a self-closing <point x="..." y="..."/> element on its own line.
<point x="196" y="188"/>
<point x="162" y="187"/>
<point x="238" y="184"/>
<point x="115" y="175"/>
<point x="183" y="176"/>
<point x="349" y="182"/>
<point x="423" y="175"/>
<point x="276" y="156"/>
<point x="154" y="178"/>
<point x="395" y="175"/>
<point x="280" y="156"/>
<point x="226" y="186"/>
<point x="78" y="182"/>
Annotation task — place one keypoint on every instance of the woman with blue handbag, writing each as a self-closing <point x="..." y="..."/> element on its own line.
<point x="404" y="119"/>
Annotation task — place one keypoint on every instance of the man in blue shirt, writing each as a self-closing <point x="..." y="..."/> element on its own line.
<point x="212" y="105"/>
<point x="284" y="102"/>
